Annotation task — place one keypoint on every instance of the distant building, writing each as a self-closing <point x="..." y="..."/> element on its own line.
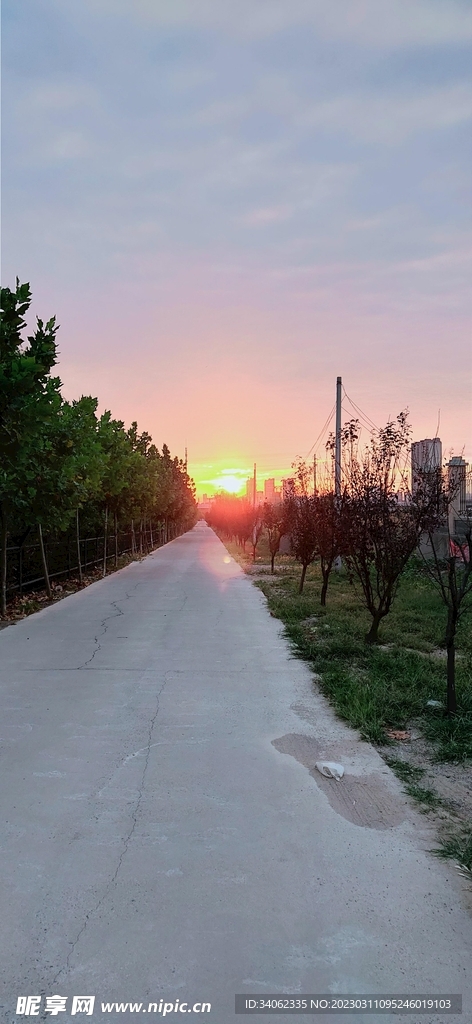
<point x="271" y="493"/>
<point x="426" y="457"/>
<point x="269" y="490"/>
<point x="250" y="490"/>
<point x="468" y="486"/>
<point x="205" y="503"/>
<point x="457" y="480"/>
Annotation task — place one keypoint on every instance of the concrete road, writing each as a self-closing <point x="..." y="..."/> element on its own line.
<point x="167" y="836"/>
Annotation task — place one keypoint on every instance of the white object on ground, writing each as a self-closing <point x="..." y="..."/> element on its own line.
<point x="330" y="769"/>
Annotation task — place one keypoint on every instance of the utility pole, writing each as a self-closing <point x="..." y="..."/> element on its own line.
<point x="314" y="475"/>
<point x="185" y="458"/>
<point x="337" y="464"/>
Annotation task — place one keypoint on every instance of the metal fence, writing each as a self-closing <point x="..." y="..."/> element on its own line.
<point x="25" y="568"/>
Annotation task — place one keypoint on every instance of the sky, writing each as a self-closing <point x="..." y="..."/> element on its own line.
<point x="227" y="205"/>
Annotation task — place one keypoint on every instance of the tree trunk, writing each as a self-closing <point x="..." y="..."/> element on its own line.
<point x="150" y="534"/>
<point x="302" y="579"/>
<point x="133" y="539"/>
<point x="3" y="565"/>
<point x="451" y="680"/>
<point x="324" y="589"/>
<point x="44" y="562"/>
<point x="272" y="560"/>
<point x="140" y="536"/>
<point x="451" y="702"/>
<point x="373" y="634"/>
<point x="105" y="540"/>
<point x="116" y="539"/>
<point x="77" y="534"/>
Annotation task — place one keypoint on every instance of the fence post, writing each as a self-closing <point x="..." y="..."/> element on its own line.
<point x="105" y="539"/>
<point x="44" y="561"/>
<point x="77" y="537"/>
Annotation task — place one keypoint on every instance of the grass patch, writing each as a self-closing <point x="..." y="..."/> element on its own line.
<point x="385" y="686"/>
<point x="456" y="842"/>
<point x="428" y="798"/>
<point x="457" y="846"/>
<point x="405" y="771"/>
<point x="452" y="737"/>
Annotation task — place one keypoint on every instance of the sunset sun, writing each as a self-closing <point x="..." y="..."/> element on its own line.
<point x="232" y="481"/>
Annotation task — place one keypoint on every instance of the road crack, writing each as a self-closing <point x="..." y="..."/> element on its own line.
<point x="104" y="627"/>
<point x="134" y="819"/>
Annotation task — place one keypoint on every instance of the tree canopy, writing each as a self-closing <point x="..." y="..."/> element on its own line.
<point x="58" y="457"/>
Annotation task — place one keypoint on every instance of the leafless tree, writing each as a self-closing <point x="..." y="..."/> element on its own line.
<point x="327" y="515"/>
<point x="379" y="531"/>
<point x="448" y="563"/>
<point x="302" y="525"/>
<point x="301" y="479"/>
<point x="257" y="528"/>
<point x="276" y="524"/>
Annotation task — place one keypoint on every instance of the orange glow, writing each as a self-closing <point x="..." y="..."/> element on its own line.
<point x="231" y="475"/>
<point x="228" y="481"/>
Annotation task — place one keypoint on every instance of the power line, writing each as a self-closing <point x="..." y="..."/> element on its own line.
<point x="365" y="420"/>
<point x="322" y="431"/>
<point x="359" y="411"/>
<point x="360" y="419"/>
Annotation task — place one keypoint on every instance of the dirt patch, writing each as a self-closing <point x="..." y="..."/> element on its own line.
<point x="364" y="801"/>
<point x="452" y="782"/>
<point x="21" y="606"/>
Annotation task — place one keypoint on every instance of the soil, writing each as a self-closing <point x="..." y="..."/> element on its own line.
<point x="452" y="782"/>
<point x="35" y="600"/>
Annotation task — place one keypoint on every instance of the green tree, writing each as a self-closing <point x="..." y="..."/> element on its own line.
<point x="29" y="400"/>
<point x="116" y="478"/>
<point x="79" y="463"/>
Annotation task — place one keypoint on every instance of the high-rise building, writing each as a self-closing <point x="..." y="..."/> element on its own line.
<point x="457" y="476"/>
<point x="468" y="485"/>
<point x="426" y="457"/>
<point x="269" y="490"/>
<point x="250" y="490"/>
